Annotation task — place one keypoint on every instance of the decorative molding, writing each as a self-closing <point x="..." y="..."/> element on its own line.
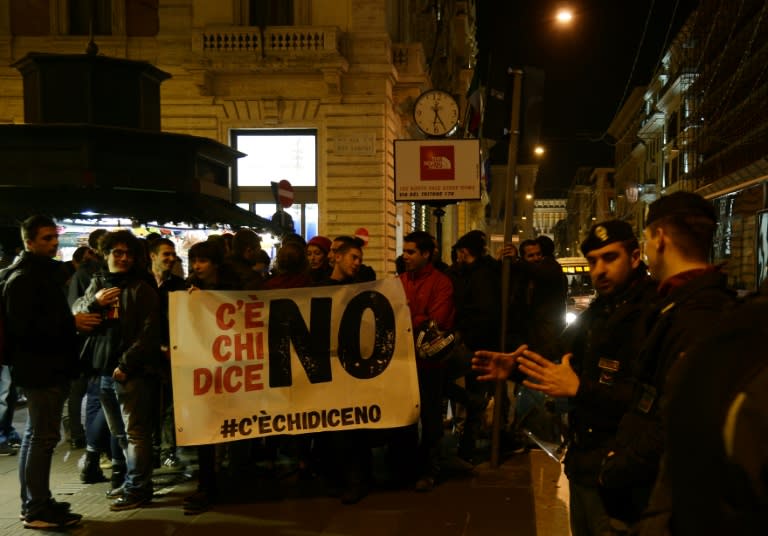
<point x="269" y="112"/>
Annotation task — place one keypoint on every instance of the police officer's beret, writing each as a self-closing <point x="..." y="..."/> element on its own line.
<point x="683" y="204"/>
<point x="605" y="233"/>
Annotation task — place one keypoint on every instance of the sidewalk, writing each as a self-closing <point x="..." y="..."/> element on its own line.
<point x="486" y="502"/>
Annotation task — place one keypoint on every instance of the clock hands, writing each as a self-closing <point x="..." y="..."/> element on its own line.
<point x="436" y="108"/>
<point x="443" y="108"/>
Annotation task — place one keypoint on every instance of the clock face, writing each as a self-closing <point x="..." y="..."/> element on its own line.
<point x="436" y="112"/>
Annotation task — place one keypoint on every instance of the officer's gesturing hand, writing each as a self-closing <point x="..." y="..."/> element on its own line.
<point x="550" y="378"/>
<point x="495" y="365"/>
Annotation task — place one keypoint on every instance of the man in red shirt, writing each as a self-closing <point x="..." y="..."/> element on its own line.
<point x="430" y="297"/>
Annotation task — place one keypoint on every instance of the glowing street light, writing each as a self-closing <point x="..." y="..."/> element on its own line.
<point x="564" y="16"/>
<point x="539" y="150"/>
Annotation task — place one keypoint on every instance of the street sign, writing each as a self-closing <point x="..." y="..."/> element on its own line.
<point x="285" y="193"/>
<point x="362" y="234"/>
<point x="437" y="171"/>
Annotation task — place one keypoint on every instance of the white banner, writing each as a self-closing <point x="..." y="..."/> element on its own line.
<point x="251" y="364"/>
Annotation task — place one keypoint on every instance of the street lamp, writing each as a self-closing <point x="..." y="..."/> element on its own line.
<point x="564" y="16"/>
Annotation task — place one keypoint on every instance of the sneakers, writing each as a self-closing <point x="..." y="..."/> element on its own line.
<point x="14" y="440"/>
<point x="51" y="518"/>
<point x="114" y="493"/>
<point x="172" y="462"/>
<point x="128" y="503"/>
<point x="6" y="449"/>
<point x="92" y="473"/>
<point x="54" y="505"/>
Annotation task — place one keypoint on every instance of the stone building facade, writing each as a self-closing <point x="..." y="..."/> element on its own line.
<point x="702" y="126"/>
<point x="344" y="71"/>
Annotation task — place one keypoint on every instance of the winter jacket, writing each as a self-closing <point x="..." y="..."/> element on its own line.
<point x="131" y="341"/>
<point x="547" y="296"/>
<point x="605" y="341"/>
<point x="679" y="320"/>
<point x="477" y="295"/>
<point x="430" y="297"/>
<point x="41" y="337"/>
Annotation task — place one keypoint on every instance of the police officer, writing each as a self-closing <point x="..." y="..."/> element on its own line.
<point x="595" y="374"/>
<point x="678" y="234"/>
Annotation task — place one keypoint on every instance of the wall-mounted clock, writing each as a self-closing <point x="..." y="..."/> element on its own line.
<point x="436" y="112"/>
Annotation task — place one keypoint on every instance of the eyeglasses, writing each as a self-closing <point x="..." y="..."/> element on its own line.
<point x="119" y="253"/>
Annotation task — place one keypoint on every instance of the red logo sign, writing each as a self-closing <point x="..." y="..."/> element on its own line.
<point x="438" y="163"/>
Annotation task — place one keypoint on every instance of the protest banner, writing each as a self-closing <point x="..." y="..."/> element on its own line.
<point x="249" y="364"/>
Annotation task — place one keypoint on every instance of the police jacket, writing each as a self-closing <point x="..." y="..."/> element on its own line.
<point x="128" y="338"/>
<point x="679" y="319"/>
<point x="605" y="342"/>
<point x="713" y="477"/>
<point x="40" y="329"/>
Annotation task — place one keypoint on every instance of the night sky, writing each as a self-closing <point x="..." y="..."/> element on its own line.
<point x="586" y="68"/>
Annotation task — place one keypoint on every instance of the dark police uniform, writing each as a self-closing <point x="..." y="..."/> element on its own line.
<point x="605" y="342"/>
<point x="691" y="305"/>
<point x="717" y="451"/>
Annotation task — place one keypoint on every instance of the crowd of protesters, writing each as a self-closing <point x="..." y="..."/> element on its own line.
<point x="619" y="369"/>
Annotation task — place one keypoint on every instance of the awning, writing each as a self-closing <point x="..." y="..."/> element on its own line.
<point x="142" y="206"/>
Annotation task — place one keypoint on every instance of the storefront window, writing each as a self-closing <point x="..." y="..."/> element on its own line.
<point x="736" y="240"/>
<point x="74" y="233"/>
<point x="275" y="155"/>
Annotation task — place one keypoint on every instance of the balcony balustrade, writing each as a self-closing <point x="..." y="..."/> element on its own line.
<point x="250" y="41"/>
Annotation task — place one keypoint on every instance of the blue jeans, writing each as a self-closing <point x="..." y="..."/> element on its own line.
<point x="133" y="409"/>
<point x="42" y="434"/>
<point x="7" y="405"/>
<point x="97" y="434"/>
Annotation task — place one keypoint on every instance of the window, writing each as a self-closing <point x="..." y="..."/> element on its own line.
<point x="272" y="156"/>
<point x="30" y="17"/>
<point x="270" y="12"/>
<point x="82" y="11"/>
<point x="141" y="18"/>
<point x="136" y="18"/>
<point x="304" y="216"/>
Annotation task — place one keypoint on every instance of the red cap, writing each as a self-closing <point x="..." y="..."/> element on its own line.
<point x="321" y="242"/>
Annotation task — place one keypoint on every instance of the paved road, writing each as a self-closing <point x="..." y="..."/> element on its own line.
<point x="483" y="502"/>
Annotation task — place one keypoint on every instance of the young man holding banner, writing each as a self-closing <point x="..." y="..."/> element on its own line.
<point x="347" y="453"/>
<point x="430" y="297"/>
